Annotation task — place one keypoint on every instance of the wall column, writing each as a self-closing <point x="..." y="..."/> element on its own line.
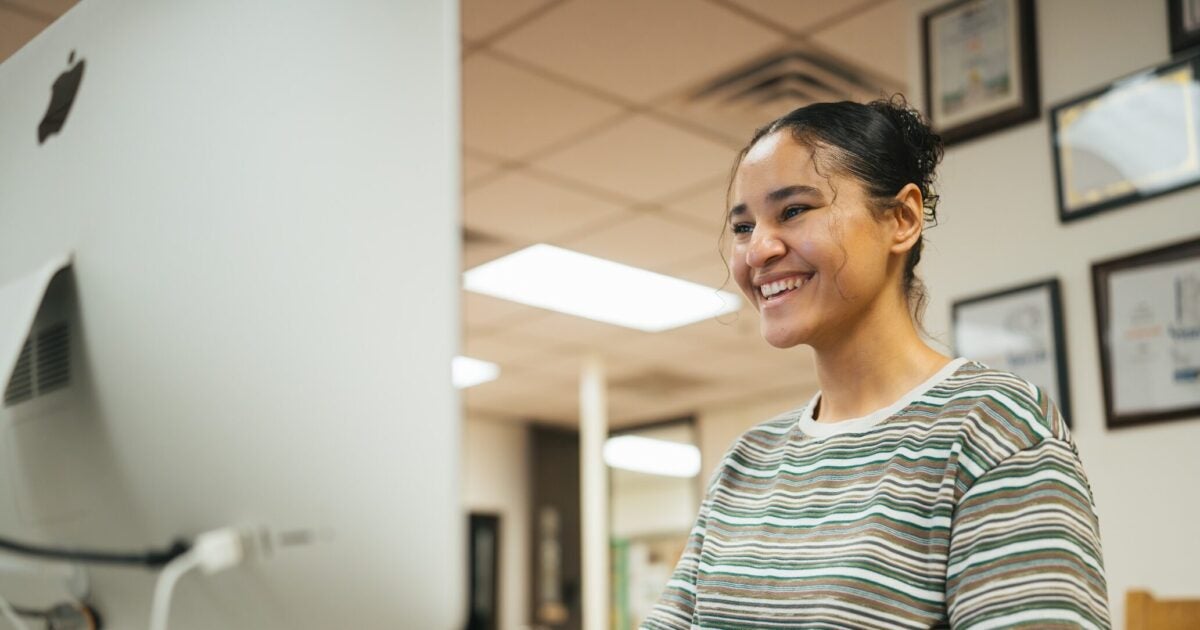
<point x="593" y="430"/>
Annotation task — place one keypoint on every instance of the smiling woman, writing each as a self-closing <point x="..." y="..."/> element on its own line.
<point x="914" y="490"/>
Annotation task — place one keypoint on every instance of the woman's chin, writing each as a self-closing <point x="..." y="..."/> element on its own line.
<point x="782" y="338"/>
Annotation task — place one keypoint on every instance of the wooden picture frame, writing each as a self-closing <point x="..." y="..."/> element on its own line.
<point x="1148" y="325"/>
<point x="1018" y="329"/>
<point x="980" y="67"/>
<point x="1132" y="140"/>
<point x="1183" y="22"/>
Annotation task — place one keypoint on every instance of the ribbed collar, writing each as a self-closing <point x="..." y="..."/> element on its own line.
<point x="815" y="429"/>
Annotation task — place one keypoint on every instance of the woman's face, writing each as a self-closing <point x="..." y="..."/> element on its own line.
<point x="814" y="265"/>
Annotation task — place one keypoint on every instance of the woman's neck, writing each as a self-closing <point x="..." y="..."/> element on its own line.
<point x="871" y="366"/>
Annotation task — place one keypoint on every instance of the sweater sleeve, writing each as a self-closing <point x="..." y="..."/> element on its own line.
<point x="677" y="604"/>
<point x="1025" y="545"/>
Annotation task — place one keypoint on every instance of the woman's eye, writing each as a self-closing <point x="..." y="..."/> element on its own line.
<point x="792" y="211"/>
<point x="741" y="228"/>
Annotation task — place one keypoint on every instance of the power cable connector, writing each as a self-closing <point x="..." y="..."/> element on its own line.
<point x="218" y="550"/>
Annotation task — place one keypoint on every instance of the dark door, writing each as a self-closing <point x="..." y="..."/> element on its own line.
<point x="555" y="527"/>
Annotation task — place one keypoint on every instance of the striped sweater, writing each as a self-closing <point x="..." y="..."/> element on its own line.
<point x="962" y="505"/>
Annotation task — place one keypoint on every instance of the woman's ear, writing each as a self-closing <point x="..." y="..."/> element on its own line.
<point x="908" y="219"/>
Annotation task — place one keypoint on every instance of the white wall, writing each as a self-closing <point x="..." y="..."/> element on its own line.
<point x="643" y="505"/>
<point x="496" y="479"/>
<point x="999" y="227"/>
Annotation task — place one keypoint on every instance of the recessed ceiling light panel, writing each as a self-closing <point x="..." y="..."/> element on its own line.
<point x="651" y="456"/>
<point x="467" y="372"/>
<point x="569" y="282"/>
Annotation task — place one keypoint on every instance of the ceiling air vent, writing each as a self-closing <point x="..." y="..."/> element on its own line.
<point x="744" y="98"/>
<point x="43" y="366"/>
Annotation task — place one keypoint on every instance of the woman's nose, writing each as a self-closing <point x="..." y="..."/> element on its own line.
<point x="765" y="247"/>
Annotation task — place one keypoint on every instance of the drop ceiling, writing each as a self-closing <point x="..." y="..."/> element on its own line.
<point x="584" y="127"/>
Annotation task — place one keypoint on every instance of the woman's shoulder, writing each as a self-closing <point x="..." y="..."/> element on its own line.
<point x="1007" y="394"/>
<point x="1000" y="413"/>
<point x="762" y="444"/>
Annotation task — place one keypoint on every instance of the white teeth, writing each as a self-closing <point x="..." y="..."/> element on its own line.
<point x="771" y="288"/>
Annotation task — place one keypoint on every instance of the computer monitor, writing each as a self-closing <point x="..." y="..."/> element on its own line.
<point x="254" y="209"/>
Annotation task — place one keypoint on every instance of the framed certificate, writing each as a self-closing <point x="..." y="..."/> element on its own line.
<point x="1183" y="17"/>
<point x="1018" y="329"/>
<point x="1134" y="139"/>
<point x="1148" y="320"/>
<point x="980" y="67"/>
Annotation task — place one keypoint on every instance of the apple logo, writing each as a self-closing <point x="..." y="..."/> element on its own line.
<point x="62" y="96"/>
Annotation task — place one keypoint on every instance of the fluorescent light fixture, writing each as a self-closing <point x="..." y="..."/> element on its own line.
<point x="561" y="280"/>
<point x="467" y="372"/>
<point x="656" y="457"/>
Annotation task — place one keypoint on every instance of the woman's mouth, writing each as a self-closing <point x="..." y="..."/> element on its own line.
<point x="776" y="290"/>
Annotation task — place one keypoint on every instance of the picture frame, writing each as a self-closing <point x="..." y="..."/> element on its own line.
<point x="1147" y="309"/>
<point x="980" y="67"/>
<point x="1183" y="21"/>
<point x="1018" y="329"/>
<point x="1132" y="140"/>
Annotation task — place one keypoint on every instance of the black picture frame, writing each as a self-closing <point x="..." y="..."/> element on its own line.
<point x="1135" y="333"/>
<point x="1127" y="141"/>
<point x="1032" y="311"/>
<point x="954" y="21"/>
<point x="483" y="553"/>
<point x="1183" y="23"/>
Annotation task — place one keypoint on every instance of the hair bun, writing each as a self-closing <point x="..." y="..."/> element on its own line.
<point x="923" y="144"/>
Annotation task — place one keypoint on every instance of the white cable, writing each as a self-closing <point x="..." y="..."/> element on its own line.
<point x="11" y="614"/>
<point x="213" y="551"/>
<point x="160" y="608"/>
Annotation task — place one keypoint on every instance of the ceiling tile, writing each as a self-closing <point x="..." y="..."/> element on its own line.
<point x="506" y="349"/>
<point x="511" y="112"/>
<point x="483" y="18"/>
<point x="646" y="241"/>
<point x="477" y="253"/>
<point x="570" y="332"/>
<point x="547" y="387"/>
<point x="796" y="15"/>
<point x="476" y="168"/>
<point x="527" y="395"/>
<point x="731" y="332"/>
<point x="659" y="349"/>
<point x="518" y="206"/>
<point x="757" y="365"/>
<point x="45" y="11"/>
<point x="16" y="29"/>
<point x="876" y="38"/>
<point x="483" y="311"/>
<point x="641" y="158"/>
<point x="707" y="269"/>
<point x="636" y="49"/>
<point x="628" y="409"/>
<point x="705" y="206"/>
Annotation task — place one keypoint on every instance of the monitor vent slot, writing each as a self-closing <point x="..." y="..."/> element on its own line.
<point x="20" y="385"/>
<point x="44" y="365"/>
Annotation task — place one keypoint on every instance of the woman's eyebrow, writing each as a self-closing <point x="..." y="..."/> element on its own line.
<point x="789" y="191"/>
<point x="776" y="196"/>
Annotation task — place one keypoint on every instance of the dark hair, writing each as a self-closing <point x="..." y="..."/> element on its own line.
<point x="885" y="145"/>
